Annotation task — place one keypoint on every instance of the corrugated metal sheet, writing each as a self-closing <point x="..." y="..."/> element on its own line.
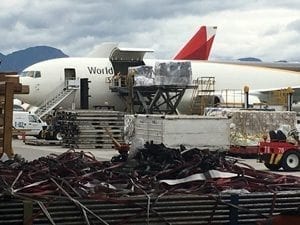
<point x="179" y="209"/>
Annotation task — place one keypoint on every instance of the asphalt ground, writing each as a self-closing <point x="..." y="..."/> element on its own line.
<point x="31" y="152"/>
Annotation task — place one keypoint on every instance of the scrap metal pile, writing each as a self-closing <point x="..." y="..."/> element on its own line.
<point x="154" y="169"/>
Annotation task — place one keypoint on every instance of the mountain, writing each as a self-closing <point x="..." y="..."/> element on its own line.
<point x="250" y="59"/>
<point x="19" y="60"/>
<point x="1" y="57"/>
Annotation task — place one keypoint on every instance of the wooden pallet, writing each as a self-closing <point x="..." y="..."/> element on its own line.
<point x="42" y="142"/>
<point x="91" y="126"/>
<point x="95" y="146"/>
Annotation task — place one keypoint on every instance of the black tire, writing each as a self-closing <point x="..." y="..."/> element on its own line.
<point x="291" y="160"/>
<point x="40" y="135"/>
<point x="48" y="136"/>
<point x="58" y="136"/>
<point x="273" y="167"/>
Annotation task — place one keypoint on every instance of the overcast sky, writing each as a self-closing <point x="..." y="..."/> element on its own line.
<point x="269" y="30"/>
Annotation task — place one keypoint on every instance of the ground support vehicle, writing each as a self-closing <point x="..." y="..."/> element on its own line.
<point x="279" y="154"/>
<point x="28" y="123"/>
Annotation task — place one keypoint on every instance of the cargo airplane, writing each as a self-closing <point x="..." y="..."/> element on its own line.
<point x="49" y="77"/>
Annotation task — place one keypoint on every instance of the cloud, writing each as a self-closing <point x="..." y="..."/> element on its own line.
<point x="256" y="28"/>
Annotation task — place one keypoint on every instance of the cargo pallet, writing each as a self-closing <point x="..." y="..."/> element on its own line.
<point x="41" y="142"/>
<point x="85" y="129"/>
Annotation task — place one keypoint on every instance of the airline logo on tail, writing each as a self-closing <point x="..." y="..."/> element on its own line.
<point x="198" y="48"/>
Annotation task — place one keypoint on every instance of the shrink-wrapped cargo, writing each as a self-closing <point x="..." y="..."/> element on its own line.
<point x="173" y="73"/>
<point x="249" y="127"/>
<point x="165" y="73"/>
<point x="143" y="75"/>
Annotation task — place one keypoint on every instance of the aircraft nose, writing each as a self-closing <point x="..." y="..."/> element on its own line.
<point x="24" y="81"/>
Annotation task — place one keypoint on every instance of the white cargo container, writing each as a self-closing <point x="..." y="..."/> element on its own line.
<point x="176" y="130"/>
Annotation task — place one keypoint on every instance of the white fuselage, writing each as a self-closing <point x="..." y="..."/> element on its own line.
<point x="100" y="70"/>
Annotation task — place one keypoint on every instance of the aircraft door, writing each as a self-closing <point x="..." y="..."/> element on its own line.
<point x="70" y="74"/>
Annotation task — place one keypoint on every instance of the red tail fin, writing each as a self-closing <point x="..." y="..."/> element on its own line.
<point x="198" y="48"/>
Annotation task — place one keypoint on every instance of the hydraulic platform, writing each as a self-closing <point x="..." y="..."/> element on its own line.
<point x="162" y="99"/>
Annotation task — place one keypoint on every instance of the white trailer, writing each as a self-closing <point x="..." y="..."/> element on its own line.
<point x="176" y="130"/>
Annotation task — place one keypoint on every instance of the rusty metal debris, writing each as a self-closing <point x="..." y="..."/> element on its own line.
<point x="154" y="169"/>
<point x="154" y="172"/>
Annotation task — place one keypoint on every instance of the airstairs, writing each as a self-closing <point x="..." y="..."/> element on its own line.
<point x="232" y="98"/>
<point x="203" y="94"/>
<point x="58" y="96"/>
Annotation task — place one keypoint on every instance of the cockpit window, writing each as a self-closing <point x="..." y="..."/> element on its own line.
<point x="34" y="74"/>
<point x="37" y="74"/>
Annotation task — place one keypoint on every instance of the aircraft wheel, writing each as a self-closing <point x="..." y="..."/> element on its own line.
<point x="272" y="167"/>
<point x="291" y="161"/>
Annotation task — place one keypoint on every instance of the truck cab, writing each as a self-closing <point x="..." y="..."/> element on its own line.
<point x="28" y="122"/>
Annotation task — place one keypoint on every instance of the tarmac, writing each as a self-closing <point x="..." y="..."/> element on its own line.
<point x="31" y="152"/>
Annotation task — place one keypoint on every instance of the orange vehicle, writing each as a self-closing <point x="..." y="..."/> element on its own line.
<point x="278" y="152"/>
